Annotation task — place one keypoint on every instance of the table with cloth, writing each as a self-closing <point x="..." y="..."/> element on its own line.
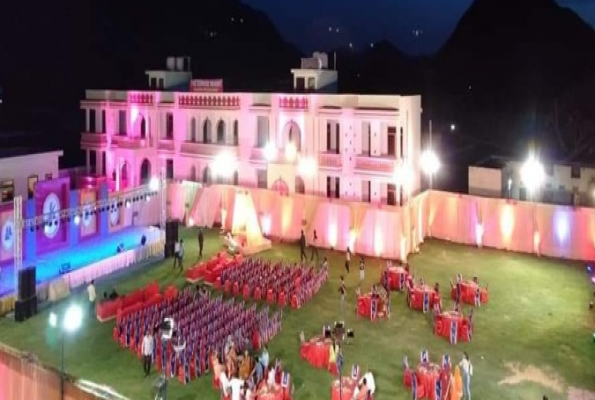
<point x="417" y="294"/>
<point x="427" y="376"/>
<point x="397" y="278"/>
<point x="444" y="326"/>
<point x="316" y="351"/>
<point x="273" y="392"/>
<point x="344" y="390"/>
<point x="468" y="291"/>
<point x="364" y="306"/>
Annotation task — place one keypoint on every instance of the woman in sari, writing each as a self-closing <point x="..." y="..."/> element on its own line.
<point x="332" y="358"/>
<point x="246" y="366"/>
<point x="457" y="385"/>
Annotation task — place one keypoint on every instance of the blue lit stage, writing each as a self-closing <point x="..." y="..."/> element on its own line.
<point x="84" y="254"/>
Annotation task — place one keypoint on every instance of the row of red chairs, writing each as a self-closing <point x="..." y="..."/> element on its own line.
<point x="109" y="309"/>
<point x="211" y="270"/>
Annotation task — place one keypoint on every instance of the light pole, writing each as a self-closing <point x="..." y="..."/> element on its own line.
<point x="430" y="164"/>
<point x="70" y="323"/>
<point x="532" y="175"/>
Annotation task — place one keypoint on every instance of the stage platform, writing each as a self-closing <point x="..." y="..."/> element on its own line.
<point x="86" y="253"/>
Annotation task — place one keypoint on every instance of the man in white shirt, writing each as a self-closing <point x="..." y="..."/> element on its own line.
<point x="176" y="253"/>
<point x="236" y="386"/>
<point x="92" y="296"/>
<point x="467" y="373"/>
<point x="147" y="352"/>
<point x="264" y="357"/>
<point x="271" y="377"/>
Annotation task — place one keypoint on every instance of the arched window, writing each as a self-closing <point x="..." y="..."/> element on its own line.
<point x="192" y="133"/>
<point x="221" y="132"/>
<point x="206" y="176"/>
<point x="206" y="131"/>
<point x="143" y="128"/>
<point x="293" y="135"/>
<point x="236" y="134"/>
<point x="145" y="172"/>
<point x="300" y="187"/>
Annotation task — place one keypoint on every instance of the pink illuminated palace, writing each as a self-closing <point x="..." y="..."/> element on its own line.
<point x="348" y="146"/>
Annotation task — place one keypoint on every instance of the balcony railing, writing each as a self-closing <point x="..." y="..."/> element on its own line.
<point x="93" y="139"/>
<point x="165" y="144"/>
<point x="258" y="155"/>
<point x="126" y="142"/>
<point x="330" y="161"/>
<point x="208" y="149"/>
<point x="375" y="165"/>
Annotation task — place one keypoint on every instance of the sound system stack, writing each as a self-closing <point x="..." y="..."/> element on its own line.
<point x="26" y="304"/>
<point x="171" y="237"/>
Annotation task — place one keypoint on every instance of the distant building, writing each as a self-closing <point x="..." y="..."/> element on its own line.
<point x="21" y="168"/>
<point x="567" y="184"/>
<point x="363" y="147"/>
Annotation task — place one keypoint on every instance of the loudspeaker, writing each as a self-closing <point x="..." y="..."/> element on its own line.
<point x="143" y="240"/>
<point x="27" y="284"/>
<point x="25" y="309"/>
<point x="170" y="249"/>
<point x="21" y="310"/>
<point x="23" y="285"/>
<point x="171" y="231"/>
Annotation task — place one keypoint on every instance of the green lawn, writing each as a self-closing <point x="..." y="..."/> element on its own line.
<point x="537" y="316"/>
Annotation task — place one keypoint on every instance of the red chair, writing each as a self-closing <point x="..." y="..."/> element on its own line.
<point x="218" y="283"/>
<point x="281" y="301"/>
<point x="227" y="286"/>
<point x="421" y="391"/>
<point x="464" y="332"/>
<point x="181" y="375"/>
<point x="257" y="294"/>
<point x="438" y="327"/>
<point x="294" y="302"/>
<point x="270" y="296"/>
<point x="407" y="378"/>
<point x="236" y="289"/>
<point x="484" y="296"/>
<point x="246" y="291"/>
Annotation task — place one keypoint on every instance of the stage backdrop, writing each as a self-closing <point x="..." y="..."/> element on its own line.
<point x="116" y="214"/>
<point x="88" y="222"/>
<point x="51" y="196"/>
<point x="7" y="232"/>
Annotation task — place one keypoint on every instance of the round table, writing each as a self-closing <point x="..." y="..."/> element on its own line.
<point x="446" y="319"/>
<point x="396" y="275"/>
<point x="316" y="351"/>
<point x="427" y="376"/>
<point x="344" y="390"/>
<point x="417" y="300"/>
<point x="364" y="306"/>
<point x="274" y="392"/>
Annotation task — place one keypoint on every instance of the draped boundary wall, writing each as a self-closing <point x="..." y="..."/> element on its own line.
<point x="22" y="378"/>
<point x="395" y="232"/>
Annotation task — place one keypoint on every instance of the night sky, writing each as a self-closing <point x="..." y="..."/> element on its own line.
<point x="415" y="26"/>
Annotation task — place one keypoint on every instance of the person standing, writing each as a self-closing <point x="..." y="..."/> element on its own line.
<point x="314" y="248"/>
<point x="147" y="352"/>
<point x="92" y="296"/>
<point x="176" y="253"/>
<point x="181" y="254"/>
<point x="362" y="268"/>
<point x="342" y="291"/>
<point x="303" y="255"/>
<point x="201" y="241"/>
<point x="347" y="259"/>
<point x="467" y="372"/>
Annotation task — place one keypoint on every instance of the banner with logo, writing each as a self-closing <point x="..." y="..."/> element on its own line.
<point x="116" y="214"/>
<point x="6" y="232"/>
<point x="51" y="196"/>
<point x="88" y="220"/>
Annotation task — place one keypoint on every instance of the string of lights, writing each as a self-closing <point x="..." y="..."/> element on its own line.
<point x="143" y="193"/>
